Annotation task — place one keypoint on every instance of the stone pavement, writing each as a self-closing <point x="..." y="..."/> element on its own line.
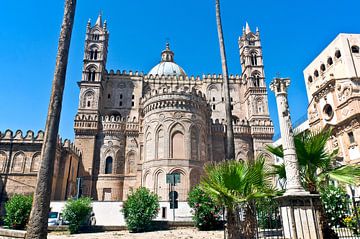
<point x="182" y="233"/>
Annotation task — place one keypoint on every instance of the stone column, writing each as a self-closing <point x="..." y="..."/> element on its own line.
<point x="293" y="186"/>
<point x="300" y="210"/>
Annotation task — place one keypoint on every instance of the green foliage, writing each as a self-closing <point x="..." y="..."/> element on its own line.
<point x="268" y="216"/>
<point x="18" y="210"/>
<point x="140" y="209"/>
<point x="232" y="182"/>
<point x="317" y="165"/>
<point x="206" y="212"/>
<point x="77" y="212"/>
<point x="335" y="201"/>
<point x="351" y="221"/>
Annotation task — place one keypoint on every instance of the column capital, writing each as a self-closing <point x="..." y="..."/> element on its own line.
<point x="280" y="85"/>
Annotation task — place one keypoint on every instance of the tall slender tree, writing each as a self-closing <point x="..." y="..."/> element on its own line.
<point x="230" y="146"/>
<point x="37" y="227"/>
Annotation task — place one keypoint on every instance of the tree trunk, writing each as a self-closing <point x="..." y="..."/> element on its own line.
<point x="230" y="148"/>
<point x="37" y="227"/>
<point x="249" y="226"/>
<point x="232" y="224"/>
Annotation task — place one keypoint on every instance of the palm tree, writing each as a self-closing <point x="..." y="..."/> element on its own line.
<point x="230" y="147"/>
<point x="38" y="222"/>
<point x="317" y="168"/>
<point x="234" y="184"/>
<point x="317" y="164"/>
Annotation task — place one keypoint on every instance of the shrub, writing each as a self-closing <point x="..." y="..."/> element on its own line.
<point x="268" y="215"/>
<point x="140" y="209"/>
<point x="335" y="201"/>
<point x="18" y="210"/>
<point x="206" y="214"/>
<point x="77" y="212"/>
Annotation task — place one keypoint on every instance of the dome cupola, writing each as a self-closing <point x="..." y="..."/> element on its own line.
<point x="167" y="66"/>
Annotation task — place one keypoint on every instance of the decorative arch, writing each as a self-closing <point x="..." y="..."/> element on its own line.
<point x="35" y="162"/>
<point x="88" y="99"/>
<point x="131" y="163"/>
<point x="3" y="158"/>
<point x="253" y="58"/>
<point x="177" y="141"/>
<point x="160" y="143"/>
<point x="182" y="188"/>
<point x="91" y="72"/>
<point x="18" y="162"/>
<point x="256" y="78"/>
<point x="161" y="188"/>
<point x="195" y="138"/>
<point x="149" y="153"/>
<point x="147" y="180"/>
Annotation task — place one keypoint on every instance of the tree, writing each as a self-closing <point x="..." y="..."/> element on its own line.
<point x="317" y="167"/>
<point x="230" y="147"/>
<point x="317" y="164"/>
<point x="37" y="227"/>
<point x="77" y="212"/>
<point x="234" y="184"/>
<point x="17" y="211"/>
<point x="140" y="209"/>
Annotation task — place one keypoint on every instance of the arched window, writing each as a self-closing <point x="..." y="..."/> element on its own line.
<point x="178" y="149"/>
<point x="329" y="61"/>
<point x="95" y="54"/>
<point x="256" y="80"/>
<point x="322" y="67"/>
<point x="88" y="99"/>
<point x="337" y="54"/>
<point x="108" y="165"/>
<point x="91" y="54"/>
<point x="316" y="73"/>
<point x="253" y="58"/>
<point x="91" y="75"/>
<point x="310" y="79"/>
<point x="355" y="49"/>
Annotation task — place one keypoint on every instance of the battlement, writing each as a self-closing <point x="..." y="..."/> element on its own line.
<point x="240" y="127"/>
<point x="117" y="123"/>
<point x="18" y="137"/>
<point x="9" y="137"/>
<point x="206" y="78"/>
<point x="124" y="73"/>
<point x="175" y="90"/>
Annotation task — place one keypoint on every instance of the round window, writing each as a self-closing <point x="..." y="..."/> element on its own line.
<point x="328" y="111"/>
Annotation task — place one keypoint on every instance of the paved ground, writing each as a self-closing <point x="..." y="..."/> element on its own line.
<point x="183" y="233"/>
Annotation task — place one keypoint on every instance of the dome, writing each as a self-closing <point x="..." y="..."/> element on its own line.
<point x="167" y="66"/>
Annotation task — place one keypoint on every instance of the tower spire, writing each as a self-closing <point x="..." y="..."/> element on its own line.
<point x="247" y="28"/>
<point x="99" y="20"/>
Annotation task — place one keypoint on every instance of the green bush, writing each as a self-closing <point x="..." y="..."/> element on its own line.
<point x="18" y="210"/>
<point x="77" y="213"/>
<point x="140" y="209"/>
<point x="206" y="214"/>
<point x="336" y="202"/>
<point x="268" y="215"/>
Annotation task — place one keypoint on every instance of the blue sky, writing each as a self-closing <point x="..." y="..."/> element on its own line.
<point x="292" y="32"/>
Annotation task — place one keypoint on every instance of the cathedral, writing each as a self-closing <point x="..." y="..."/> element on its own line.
<point x="133" y="129"/>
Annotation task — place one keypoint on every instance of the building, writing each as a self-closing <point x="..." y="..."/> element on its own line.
<point x="20" y="162"/>
<point x="333" y="87"/>
<point x="134" y="128"/>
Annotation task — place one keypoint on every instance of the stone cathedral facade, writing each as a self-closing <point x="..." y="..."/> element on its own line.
<point x="134" y="128"/>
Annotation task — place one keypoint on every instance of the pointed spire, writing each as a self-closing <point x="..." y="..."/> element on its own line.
<point x="247" y="28"/>
<point x="99" y="20"/>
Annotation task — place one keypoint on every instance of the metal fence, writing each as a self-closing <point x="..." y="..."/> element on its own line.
<point x="269" y="220"/>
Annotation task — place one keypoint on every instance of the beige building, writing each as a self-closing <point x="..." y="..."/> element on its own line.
<point x="20" y="162"/>
<point x="134" y="128"/>
<point x="333" y="88"/>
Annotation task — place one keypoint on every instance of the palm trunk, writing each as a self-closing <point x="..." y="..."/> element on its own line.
<point x="232" y="225"/>
<point x="249" y="226"/>
<point x="37" y="227"/>
<point x="230" y="148"/>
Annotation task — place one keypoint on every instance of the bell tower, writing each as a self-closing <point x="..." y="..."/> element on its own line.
<point x="87" y="122"/>
<point x="255" y="92"/>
